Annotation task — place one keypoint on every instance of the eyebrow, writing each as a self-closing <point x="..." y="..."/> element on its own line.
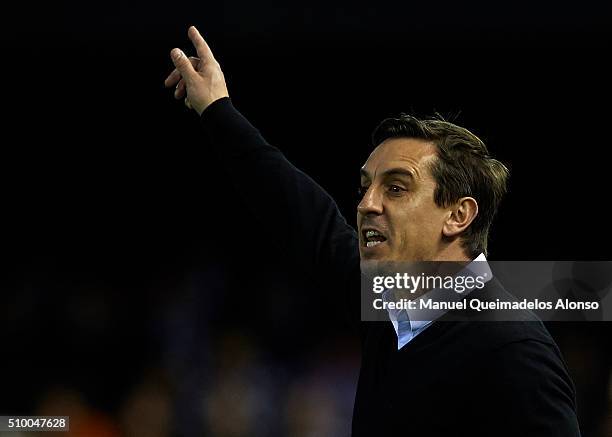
<point x="397" y="171"/>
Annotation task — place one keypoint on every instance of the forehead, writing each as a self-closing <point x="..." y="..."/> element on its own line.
<point x="409" y="153"/>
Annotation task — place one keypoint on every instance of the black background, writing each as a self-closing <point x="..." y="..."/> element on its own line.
<point x="108" y="189"/>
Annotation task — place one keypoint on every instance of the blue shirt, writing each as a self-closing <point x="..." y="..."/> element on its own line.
<point x="408" y="324"/>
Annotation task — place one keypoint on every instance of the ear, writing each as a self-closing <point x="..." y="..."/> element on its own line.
<point x="462" y="214"/>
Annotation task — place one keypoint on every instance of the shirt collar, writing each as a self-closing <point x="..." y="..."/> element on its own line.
<point x="411" y="323"/>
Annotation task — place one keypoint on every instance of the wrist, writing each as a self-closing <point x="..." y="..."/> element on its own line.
<point x="201" y="108"/>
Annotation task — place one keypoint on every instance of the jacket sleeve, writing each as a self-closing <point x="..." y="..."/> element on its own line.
<point x="303" y="219"/>
<point x="530" y="392"/>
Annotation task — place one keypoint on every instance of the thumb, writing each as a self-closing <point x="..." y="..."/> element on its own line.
<point x="182" y="64"/>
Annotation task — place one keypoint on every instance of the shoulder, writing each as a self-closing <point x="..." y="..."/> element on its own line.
<point x="496" y="328"/>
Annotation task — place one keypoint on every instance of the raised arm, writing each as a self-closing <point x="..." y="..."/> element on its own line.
<point x="292" y="211"/>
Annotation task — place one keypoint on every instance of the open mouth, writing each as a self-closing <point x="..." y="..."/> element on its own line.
<point x="372" y="238"/>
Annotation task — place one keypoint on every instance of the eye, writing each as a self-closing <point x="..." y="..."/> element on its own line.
<point x="361" y="191"/>
<point x="395" y="189"/>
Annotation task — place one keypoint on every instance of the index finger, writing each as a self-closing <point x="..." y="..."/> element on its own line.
<point x="202" y="48"/>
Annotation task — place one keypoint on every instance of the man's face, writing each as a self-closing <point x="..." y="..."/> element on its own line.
<point x="399" y="203"/>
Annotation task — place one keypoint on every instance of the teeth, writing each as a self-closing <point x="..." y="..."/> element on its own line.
<point x="371" y="234"/>
<point x="372" y="243"/>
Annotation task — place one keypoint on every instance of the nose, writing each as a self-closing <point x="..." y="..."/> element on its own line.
<point x="371" y="203"/>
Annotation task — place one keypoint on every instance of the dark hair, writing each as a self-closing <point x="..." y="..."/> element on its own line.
<point x="463" y="168"/>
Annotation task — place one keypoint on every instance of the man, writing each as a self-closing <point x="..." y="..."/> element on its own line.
<point x="430" y="191"/>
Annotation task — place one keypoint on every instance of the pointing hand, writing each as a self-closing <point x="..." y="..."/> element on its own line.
<point x="197" y="79"/>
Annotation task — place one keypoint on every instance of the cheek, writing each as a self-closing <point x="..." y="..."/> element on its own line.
<point x="415" y="226"/>
<point x="405" y="230"/>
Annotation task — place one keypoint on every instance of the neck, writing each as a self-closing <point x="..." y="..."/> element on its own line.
<point x="452" y="252"/>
